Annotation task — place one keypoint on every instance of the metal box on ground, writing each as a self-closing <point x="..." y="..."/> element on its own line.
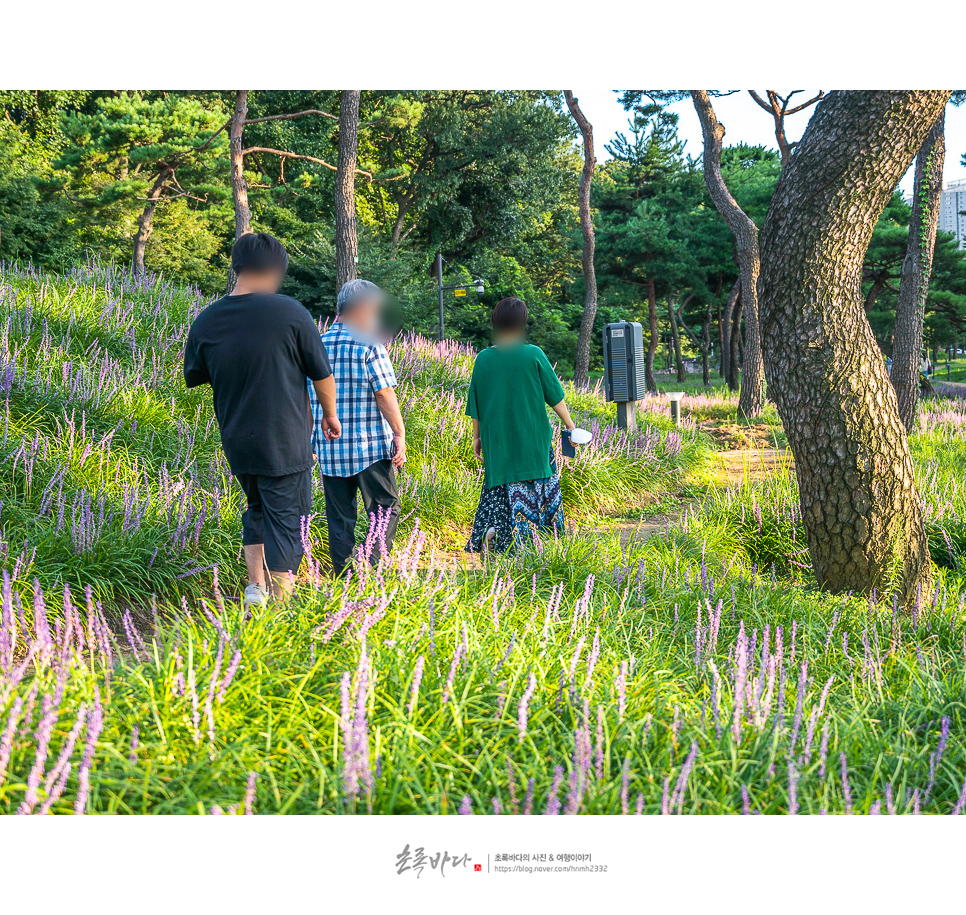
<point x="624" y="361"/>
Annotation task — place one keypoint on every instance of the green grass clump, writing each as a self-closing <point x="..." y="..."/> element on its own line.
<point x="586" y="675"/>
<point x="696" y="669"/>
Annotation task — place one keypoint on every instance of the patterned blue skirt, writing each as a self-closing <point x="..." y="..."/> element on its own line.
<point x="519" y="512"/>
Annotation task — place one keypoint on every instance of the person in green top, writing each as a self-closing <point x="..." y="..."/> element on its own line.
<point x="512" y="385"/>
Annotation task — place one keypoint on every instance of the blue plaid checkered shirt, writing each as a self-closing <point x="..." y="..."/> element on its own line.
<point x="360" y="368"/>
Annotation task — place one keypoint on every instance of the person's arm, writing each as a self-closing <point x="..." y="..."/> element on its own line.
<point x="561" y="410"/>
<point x="314" y="363"/>
<point x="388" y="405"/>
<point x="195" y="370"/>
<point x="473" y="412"/>
<point x="553" y="391"/>
<point x="325" y="391"/>
<point x="382" y="379"/>
<point x="477" y="442"/>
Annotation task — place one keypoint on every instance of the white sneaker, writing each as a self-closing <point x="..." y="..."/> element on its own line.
<point x="488" y="540"/>
<point x="255" y="596"/>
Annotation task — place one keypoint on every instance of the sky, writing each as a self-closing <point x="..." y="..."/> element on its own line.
<point x="745" y="122"/>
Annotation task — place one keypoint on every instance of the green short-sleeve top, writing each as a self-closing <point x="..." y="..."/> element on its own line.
<point x="510" y="387"/>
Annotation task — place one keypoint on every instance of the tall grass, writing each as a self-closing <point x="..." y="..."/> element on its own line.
<point x="580" y="677"/>
<point x="697" y="670"/>
<point x="112" y="472"/>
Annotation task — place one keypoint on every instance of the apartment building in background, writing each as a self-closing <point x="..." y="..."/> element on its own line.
<point x="952" y="210"/>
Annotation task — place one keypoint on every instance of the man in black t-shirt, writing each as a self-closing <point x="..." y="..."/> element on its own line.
<point x="256" y="348"/>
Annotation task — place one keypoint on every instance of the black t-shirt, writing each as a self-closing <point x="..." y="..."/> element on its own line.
<point x="256" y="352"/>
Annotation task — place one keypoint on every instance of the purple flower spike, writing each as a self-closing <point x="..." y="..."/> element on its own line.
<point x="417" y="679"/>
<point x="523" y="712"/>
<point x="250" y="794"/>
<point x="95" y="722"/>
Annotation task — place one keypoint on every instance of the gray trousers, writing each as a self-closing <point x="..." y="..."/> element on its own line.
<point x="380" y="496"/>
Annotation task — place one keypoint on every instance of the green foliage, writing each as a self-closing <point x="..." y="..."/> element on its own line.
<point x="657" y="224"/>
<point x="488" y="177"/>
<point x="134" y="148"/>
<point x="454" y="167"/>
<point x="945" y="307"/>
<point x="33" y="225"/>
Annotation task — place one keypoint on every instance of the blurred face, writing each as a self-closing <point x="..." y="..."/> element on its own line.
<point x="365" y="315"/>
<point x="263" y="281"/>
<point x="509" y="334"/>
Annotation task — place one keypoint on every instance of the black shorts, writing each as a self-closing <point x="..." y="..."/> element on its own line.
<point x="276" y="507"/>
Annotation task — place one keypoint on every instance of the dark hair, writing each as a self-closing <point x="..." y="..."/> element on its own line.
<point x="259" y="252"/>
<point x="509" y="314"/>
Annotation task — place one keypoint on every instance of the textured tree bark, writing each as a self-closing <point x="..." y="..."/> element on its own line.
<point x="725" y="332"/>
<point x="859" y="502"/>
<point x="734" y="348"/>
<point x="582" y="357"/>
<point x="751" y="398"/>
<point x="721" y="338"/>
<point x="649" y="381"/>
<point x="916" y="270"/>
<point x="706" y="347"/>
<point x="346" y="238"/>
<point x="145" y="221"/>
<point x="676" y="340"/>
<point x="239" y="186"/>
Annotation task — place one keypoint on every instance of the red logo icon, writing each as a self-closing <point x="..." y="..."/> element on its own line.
<point x="477" y="867"/>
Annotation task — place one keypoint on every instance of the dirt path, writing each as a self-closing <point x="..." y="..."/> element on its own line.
<point x="734" y="467"/>
<point x="753" y="464"/>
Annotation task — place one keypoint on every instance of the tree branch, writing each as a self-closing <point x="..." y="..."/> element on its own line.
<point x="804" y="105"/>
<point x="285" y="154"/>
<point x="760" y="100"/>
<point x="289" y="117"/>
<point x="677" y="313"/>
<point x="224" y="126"/>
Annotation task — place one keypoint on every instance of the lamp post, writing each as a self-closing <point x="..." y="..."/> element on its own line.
<point x="675" y="398"/>
<point x="460" y="289"/>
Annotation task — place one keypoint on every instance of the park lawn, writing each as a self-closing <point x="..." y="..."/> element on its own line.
<point x="695" y="670"/>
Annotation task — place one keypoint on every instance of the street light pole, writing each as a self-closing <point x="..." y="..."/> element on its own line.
<point x="460" y="290"/>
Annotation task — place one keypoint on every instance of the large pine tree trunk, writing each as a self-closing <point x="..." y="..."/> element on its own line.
<point x="239" y="186"/>
<point x="649" y="381"/>
<point x="346" y="239"/>
<point x="859" y="502"/>
<point x="139" y="242"/>
<point x="751" y="398"/>
<point x="582" y="357"/>
<point x="916" y="270"/>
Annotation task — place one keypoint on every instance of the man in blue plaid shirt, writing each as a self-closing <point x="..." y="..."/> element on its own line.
<point x="373" y="442"/>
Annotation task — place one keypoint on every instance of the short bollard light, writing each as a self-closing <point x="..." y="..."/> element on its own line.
<point x="675" y="398"/>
